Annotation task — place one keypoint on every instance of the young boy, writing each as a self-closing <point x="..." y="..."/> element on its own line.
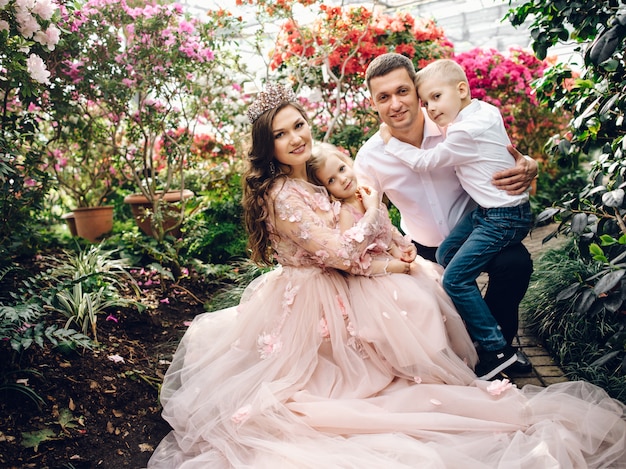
<point x="475" y="145"/>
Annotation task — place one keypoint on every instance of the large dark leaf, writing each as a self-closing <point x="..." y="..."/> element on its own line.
<point x="547" y="214"/>
<point x="584" y="301"/>
<point x="568" y="292"/>
<point x="607" y="282"/>
<point x="579" y="223"/>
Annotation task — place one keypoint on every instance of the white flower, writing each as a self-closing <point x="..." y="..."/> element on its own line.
<point x="26" y="24"/>
<point x="4" y="25"/>
<point x="4" y="3"/>
<point x="49" y="37"/>
<point x="37" y="69"/>
<point x="116" y="358"/>
<point x="44" y="8"/>
<point x="24" y="4"/>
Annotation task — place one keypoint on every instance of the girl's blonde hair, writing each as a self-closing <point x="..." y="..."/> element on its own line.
<point x="320" y="153"/>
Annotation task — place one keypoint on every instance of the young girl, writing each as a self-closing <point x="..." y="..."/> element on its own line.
<point x="391" y="252"/>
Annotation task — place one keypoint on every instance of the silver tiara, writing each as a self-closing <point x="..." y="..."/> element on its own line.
<point x="271" y="98"/>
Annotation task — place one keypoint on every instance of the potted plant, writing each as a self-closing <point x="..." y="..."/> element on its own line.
<point x="82" y="165"/>
<point x="147" y="69"/>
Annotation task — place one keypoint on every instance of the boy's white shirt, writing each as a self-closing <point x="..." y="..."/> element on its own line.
<point x="475" y="147"/>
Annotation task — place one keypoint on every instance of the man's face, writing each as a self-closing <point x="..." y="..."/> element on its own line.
<point x="395" y="99"/>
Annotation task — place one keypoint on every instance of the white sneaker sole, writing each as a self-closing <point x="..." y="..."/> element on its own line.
<point x="499" y="368"/>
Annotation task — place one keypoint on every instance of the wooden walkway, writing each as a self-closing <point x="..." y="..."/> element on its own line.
<point x="545" y="371"/>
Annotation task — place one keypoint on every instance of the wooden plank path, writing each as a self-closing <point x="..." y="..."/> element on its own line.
<point x="545" y="370"/>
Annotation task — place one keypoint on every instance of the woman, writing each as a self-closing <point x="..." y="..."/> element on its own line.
<point x="285" y="379"/>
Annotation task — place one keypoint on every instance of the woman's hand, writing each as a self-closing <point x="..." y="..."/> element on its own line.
<point x="516" y="180"/>
<point x="409" y="253"/>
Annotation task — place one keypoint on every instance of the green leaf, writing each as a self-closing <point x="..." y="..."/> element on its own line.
<point x="597" y="253"/>
<point x="34" y="439"/>
<point x="607" y="240"/>
<point x="66" y="419"/>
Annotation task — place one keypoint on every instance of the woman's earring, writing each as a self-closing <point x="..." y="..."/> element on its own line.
<point x="272" y="169"/>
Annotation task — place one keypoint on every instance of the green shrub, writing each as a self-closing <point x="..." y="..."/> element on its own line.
<point x="583" y="330"/>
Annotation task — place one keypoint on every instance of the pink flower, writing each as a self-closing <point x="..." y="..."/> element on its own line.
<point x="242" y="414"/>
<point x="268" y="345"/>
<point x="498" y="386"/>
<point x="45" y="9"/>
<point x="356" y="233"/>
<point x="116" y="358"/>
<point x="27" y="24"/>
<point x="324" y="333"/>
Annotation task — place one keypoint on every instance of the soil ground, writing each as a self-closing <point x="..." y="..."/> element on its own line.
<point x="97" y="412"/>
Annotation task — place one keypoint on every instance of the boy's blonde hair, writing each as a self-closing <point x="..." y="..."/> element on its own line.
<point x="319" y="154"/>
<point x="447" y="71"/>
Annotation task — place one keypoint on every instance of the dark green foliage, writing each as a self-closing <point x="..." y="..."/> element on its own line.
<point x="580" y="324"/>
<point x="587" y="326"/>
<point x="217" y="234"/>
<point x="22" y="188"/>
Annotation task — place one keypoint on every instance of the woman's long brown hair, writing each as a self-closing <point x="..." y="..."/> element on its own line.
<point x="257" y="180"/>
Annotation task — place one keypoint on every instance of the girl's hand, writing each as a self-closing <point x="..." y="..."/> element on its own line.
<point x="369" y="197"/>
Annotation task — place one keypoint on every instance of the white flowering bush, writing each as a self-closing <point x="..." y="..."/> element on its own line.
<point x="28" y="36"/>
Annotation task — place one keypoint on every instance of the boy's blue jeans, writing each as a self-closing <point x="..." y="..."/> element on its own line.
<point x="471" y="245"/>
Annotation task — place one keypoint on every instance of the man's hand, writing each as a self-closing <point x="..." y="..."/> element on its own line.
<point x="516" y="180"/>
<point x="385" y="133"/>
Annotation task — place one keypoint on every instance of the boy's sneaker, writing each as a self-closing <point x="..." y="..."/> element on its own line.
<point x="492" y="363"/>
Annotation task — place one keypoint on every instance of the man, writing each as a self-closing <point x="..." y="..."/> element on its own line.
<point x="431" y="203"/>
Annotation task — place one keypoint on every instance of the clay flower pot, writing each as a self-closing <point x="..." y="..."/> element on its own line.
<point x="141" y="207"/>
<point x="93" y="222"/>
<point x="71" y="223"/>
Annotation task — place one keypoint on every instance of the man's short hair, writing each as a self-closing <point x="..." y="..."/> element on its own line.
<point x="387" y="63"/>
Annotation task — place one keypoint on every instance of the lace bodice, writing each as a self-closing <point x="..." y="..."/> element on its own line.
<point x="303" y="227"/>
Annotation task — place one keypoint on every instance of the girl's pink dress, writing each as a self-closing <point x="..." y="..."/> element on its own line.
<point x="318" y="369"/>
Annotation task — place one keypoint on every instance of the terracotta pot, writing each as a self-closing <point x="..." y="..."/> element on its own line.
<point x="140" y="206"/>
<point x="71" y="223"/>
<point x="93" y="222"/>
